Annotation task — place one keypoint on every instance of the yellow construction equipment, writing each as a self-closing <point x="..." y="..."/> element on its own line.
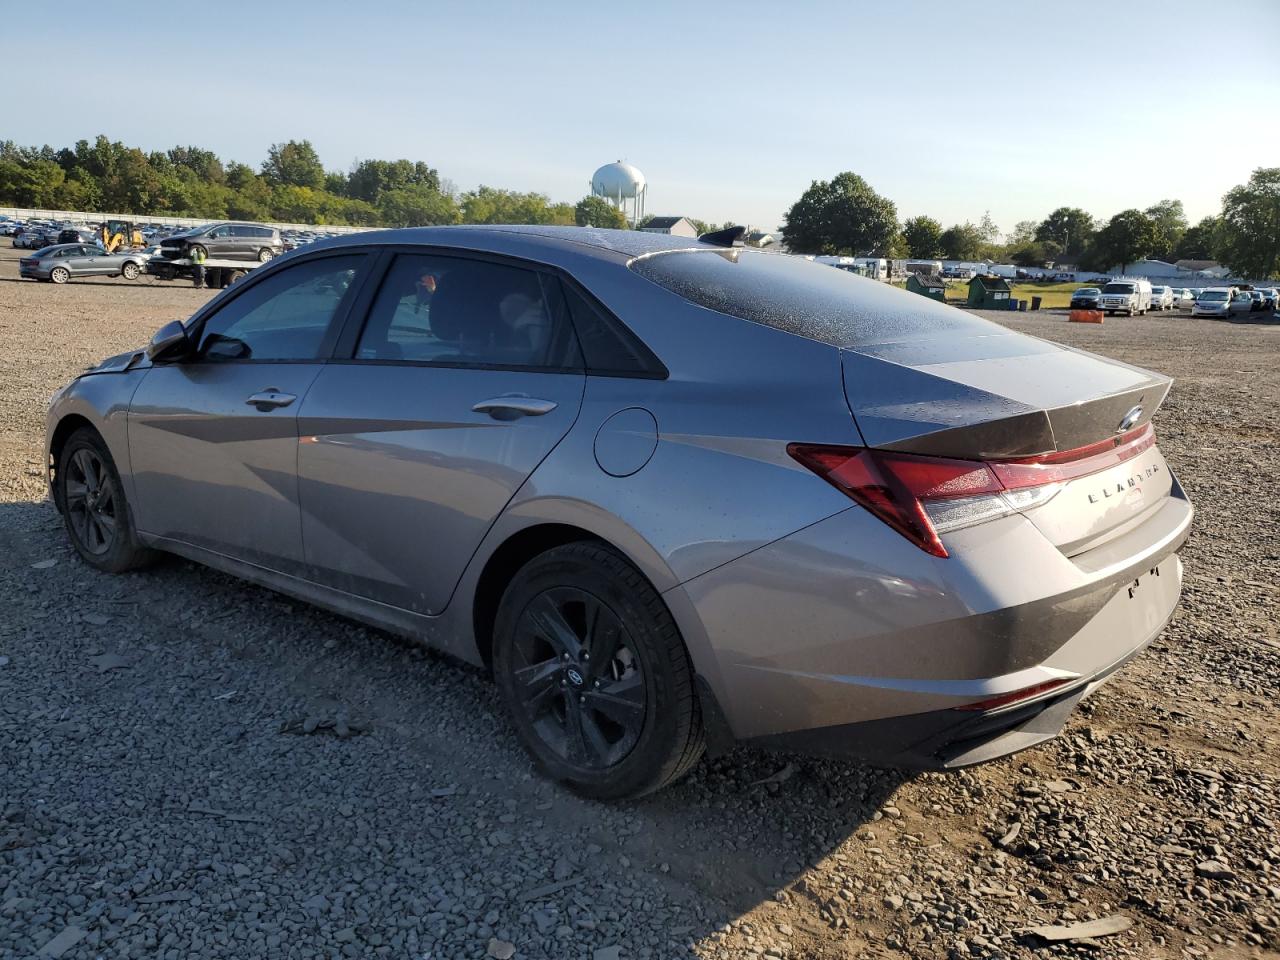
<point x="120" y="234"/>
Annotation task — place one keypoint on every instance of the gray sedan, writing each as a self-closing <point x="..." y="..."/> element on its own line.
<point x="66" y="260"/>
<point x="673" y="494"/>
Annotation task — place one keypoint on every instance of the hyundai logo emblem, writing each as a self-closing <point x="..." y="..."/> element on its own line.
<point x="575" y="677"/>
<point x="1130" y="418"/>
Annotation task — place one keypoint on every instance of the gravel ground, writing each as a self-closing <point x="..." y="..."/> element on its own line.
<point x="193" y="767"/>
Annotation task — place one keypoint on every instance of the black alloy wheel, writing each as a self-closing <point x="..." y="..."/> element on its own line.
<point x="90" y="499"/>
<point x="595" y="675"/>
<point x="581" y="685"/>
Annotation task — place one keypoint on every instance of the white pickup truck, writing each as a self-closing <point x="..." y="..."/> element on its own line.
<point x="1126" y="296"/>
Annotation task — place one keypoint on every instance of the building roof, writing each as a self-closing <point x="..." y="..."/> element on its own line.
<point x="661" y="223"/>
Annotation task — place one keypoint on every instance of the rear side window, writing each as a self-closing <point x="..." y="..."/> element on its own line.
<point x="456" y="311"/>
<point x="805" y="298"/>
<point x="608" y="347"/>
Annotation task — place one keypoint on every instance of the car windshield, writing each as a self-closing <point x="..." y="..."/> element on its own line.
<point x="802" y="297"/>
<point x="1214" y="295"/>
<point x="1087" y="292"/>
<point x="1118" y="288"/>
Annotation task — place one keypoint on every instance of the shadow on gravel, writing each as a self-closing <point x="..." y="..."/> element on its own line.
<point x="104" y="282"/>
<point x="231" y="726"/>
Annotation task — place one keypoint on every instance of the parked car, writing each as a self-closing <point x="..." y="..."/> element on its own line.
<point x="1213" y="302"/>
<point x="62" y="262"/>
<point x="1242" y="301"/>
<point x="530" y="452"/>
<point x="1162" y="298"/>
<point x="1086" y="298"/>
<point x="226" y="241"/>
<point x="1129" y="297"/>
<point x="1270" y="297"/>
<point x="1257" y="301"/>
<point x="1183" y="298"/>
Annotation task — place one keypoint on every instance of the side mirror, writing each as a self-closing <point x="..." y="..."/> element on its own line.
<point x="170" y="343"/>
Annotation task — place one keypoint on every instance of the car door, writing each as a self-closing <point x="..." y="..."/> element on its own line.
<point x="79" y="260"/>
<point x="213" y="440"/>
<point x="463" y="377"/>
<point x="219" y="242"/>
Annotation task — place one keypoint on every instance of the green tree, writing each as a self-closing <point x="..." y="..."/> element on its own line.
<point x="203" y="163"/>
<point x="1248" y="239"/>
<point x="1199" y="241"/>
<point x="962" y="241"/>
<point x="923" y="237"/>
<point x="294" y="164"/>
<point x="417" y="205"/>
<point x="1071" y="228"/>
<point x="593" y="211"/>
<point x="1170" y="223"/>
<point x="840" y="216"/>
<point x="370" y="179"/>
<point x="1129" y="236"/>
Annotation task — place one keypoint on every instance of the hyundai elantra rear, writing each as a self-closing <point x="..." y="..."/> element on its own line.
<point x="674" y="494"/>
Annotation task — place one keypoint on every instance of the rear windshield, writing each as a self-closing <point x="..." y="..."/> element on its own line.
<point x="802" y="297"/>
<point x="1118" y="288"/>
<point x="1214" y="295"/>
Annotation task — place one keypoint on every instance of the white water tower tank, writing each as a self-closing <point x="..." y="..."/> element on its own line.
<point x="623" y="185"/>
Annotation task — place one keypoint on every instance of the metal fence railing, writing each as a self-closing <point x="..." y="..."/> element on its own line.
<point x="28" y="213"/>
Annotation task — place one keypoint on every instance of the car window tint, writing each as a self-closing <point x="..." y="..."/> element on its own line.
<point x="284" y="317"/>
<point x="436" y="309"/>
<point x="608" y="347"/>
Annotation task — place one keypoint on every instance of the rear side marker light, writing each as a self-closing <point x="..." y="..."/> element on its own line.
<point x="1026" y="693"/>
<point x="922" y="497"/>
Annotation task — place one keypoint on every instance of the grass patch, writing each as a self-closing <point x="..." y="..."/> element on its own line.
<point x="1051" y="294"/>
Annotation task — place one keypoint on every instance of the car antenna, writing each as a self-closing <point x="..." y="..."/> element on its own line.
<point x="728" y="237"/>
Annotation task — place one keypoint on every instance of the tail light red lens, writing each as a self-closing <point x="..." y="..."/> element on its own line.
<point x="921" y="497"/>
<point x="1026" y="693"/>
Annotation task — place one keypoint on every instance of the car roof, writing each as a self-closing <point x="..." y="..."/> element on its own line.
<point x="607" y="244"/>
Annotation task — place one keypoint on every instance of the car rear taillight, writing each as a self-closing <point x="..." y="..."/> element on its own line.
<point x="922" y="497"/>
<point x="1017" y="696"/>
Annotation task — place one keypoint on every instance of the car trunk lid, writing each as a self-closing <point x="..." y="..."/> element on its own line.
<point x="1030" y="405"/>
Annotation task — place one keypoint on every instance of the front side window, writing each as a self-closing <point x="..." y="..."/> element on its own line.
<point x="447" y="310"/>
<point x="219" y="233"/>
<point x="284" y="317"/>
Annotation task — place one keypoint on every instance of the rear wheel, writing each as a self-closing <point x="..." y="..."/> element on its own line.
<point x="94" y="509"/>
<point x="60" y="275"/>
<point x="593" y="671"/>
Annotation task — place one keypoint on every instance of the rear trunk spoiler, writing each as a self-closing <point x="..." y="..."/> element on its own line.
<point x="993" y="397"/>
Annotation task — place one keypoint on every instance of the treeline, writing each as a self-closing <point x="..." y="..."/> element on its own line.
<point x="846" y="216"/>
<point x="291" y="186"/>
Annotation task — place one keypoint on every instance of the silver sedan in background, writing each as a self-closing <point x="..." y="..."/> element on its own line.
<point x="674" y="494"/>
<point x="66" y="261"/>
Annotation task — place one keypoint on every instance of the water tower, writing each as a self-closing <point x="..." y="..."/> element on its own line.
<point x="623" y="186"/>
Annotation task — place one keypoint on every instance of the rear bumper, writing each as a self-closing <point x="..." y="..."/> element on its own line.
<point x="952" y="739"/>
<point x="845" y="639"/>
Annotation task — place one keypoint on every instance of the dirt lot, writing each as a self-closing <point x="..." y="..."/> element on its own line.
<point x="150" y="803"/>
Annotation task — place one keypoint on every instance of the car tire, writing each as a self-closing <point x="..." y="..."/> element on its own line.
<point x="94" y="510"/>
<point x="59" y="274"/>
<point x="635" y="726"/>
<point x="130" y="271"/>
<point x="198" y="246"/>
<point x="265" y="255"/>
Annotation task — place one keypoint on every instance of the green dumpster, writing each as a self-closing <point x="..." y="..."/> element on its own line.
<point x="989" y="293"/>
<point x="928" y="285"/>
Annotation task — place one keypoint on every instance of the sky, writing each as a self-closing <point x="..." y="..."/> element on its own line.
<point x="730" y="110"/>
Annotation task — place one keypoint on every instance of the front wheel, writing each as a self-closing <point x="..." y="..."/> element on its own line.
<point x="198" y="248"/>
<point x="593" y="671"/>
<point x="265" y="254"/>
<point x="94" y="510"/>
<point x="130" y="271"/>
<point x="60" y="275"/>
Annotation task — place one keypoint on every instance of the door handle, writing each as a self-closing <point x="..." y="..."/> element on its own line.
<point x="510" y="408"/>
<point x="270" y="399"/>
